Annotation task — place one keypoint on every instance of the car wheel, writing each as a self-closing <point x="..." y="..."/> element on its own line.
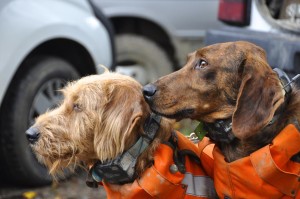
<point x="31" y="93"/>
<point x="141" y="58"/>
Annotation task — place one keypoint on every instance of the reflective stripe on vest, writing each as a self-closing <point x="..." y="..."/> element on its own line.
<point x="202" y="186"/>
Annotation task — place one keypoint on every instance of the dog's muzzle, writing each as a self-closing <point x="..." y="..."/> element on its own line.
<point x="32" y="134"/>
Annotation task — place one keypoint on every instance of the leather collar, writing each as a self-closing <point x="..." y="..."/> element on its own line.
<point x="220" y="131"/>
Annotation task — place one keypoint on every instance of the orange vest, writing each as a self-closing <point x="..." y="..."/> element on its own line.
<point x="159" y="182"/>
<point x="266" y="173"/>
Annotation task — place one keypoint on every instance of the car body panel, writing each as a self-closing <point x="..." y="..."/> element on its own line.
<point x="171" y="15"/>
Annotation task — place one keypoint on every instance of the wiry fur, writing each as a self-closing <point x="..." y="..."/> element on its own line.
<point x="99" y="118"/>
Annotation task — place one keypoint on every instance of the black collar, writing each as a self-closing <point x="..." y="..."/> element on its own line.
<point x="220" y="131"/>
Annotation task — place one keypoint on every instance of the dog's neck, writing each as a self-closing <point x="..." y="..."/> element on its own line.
<point x="150" y="132"/>
<point x="287" y="113"/>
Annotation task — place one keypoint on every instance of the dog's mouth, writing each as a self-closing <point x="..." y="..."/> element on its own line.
<point x="181" y="114"/>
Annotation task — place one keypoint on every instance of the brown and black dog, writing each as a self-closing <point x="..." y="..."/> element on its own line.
<point x="229" y="81"/>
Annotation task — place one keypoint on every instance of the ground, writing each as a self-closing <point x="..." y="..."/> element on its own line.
<point x="74" y="188"/>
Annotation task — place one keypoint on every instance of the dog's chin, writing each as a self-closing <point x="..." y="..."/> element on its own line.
<point x="56" y="162"/>
<point x="178" y="115"/>
<point x="58" y="167"/>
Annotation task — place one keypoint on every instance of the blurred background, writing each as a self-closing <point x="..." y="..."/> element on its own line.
<point x="45" y="43"/>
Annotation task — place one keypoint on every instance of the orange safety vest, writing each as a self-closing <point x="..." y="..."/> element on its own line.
<point x="159" y="182"/>
<point x="266" y="173"/>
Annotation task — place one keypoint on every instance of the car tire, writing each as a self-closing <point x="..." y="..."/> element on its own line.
<point x="141" y="58"/>
<point x="25" y="94"/>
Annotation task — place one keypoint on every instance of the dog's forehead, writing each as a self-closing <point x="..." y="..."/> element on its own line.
<point x="229" y="51"/>
<point x="232" y="47"/>
<point x="213" y="49"/>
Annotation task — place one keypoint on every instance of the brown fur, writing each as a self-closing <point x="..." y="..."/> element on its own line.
<point x="100" y="117"/>
<point x="236" y="83"/>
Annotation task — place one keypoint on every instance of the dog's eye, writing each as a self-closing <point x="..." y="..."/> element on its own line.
<point x="201" y="64"/>
<point x="76" y="107"/>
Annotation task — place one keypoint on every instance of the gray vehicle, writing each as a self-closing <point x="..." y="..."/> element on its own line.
<point x="153" y="37"/>
<point x="271" y="24"/>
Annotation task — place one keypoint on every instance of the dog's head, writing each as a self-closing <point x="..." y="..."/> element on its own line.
<point x="218" y="82"/>
<point x="95" y="121"/>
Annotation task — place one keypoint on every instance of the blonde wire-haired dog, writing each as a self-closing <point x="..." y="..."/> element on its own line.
<point x="104" y="121"/>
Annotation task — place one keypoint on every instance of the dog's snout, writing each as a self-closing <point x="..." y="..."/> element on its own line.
<point x="32" y="134"/>
<point x="149" y="90"/>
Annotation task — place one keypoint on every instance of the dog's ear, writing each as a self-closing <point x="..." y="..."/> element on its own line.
<point x="260" y="94"/>
<point x="127" y="121"/>
<point x="119" y="120"/>
<point x="132" y="125"/>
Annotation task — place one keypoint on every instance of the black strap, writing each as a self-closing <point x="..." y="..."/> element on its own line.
<point x="179" y="155"/>
<point x="151" y="126"/>
<point x="190" y="154"/>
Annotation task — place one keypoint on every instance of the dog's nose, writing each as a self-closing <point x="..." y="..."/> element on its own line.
<point x="32" y="134"/>
<point x="149" y="90"/>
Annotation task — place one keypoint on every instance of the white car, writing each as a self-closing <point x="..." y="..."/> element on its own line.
<point x="153" y="37"/>
<point x="43" y="43"/>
